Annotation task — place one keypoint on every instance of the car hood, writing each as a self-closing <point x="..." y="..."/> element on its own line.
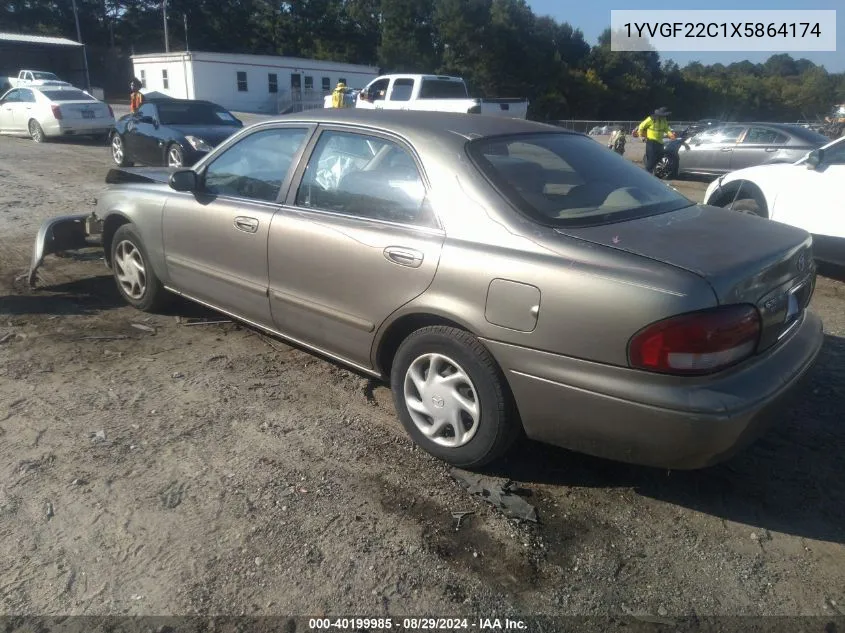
<point x="741" y="256"/>
<point x="128" y="175"/>
<point x="211" y="134"/>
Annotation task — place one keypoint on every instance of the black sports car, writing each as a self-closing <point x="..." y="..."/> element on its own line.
<point x="171" y="132"/>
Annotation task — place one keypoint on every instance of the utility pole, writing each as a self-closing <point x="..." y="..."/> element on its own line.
<point x="84" y="51"/>
<point x="164" y="15"/>
<point x="185" y="22"/>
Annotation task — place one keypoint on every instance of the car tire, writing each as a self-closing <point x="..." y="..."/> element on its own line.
<point x="118" y="154"/>
<point x="749" y="206"/>
<point x="473" y="382"/>
<point x="136" y="280"/>
<point x="36" y="132"/>
<point x="666" y="169"/>
<point x="175" y="157"/>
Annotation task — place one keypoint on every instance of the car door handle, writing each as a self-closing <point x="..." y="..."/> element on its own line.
<point x="727" y="149"/>
<point x="404" y="256"/>
<point x="771" y="149"/>
<point x="245" y="224"/>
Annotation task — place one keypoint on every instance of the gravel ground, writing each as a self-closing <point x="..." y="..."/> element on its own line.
<point x="170" y="469"/>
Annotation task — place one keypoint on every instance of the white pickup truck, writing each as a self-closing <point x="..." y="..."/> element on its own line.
<point x="32" y="78"/>
<point x="439" y="93"/>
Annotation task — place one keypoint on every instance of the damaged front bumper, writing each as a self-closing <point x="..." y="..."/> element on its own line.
<point x="64" y="233"/>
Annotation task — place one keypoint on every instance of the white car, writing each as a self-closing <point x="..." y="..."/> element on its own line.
<point x="51" y="111"/>
<point x="808" y="194"/>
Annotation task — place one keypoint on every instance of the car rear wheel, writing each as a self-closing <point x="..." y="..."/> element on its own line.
<point x="118" y="151"/>
<point x="452" y="398"/>
<point x="36" y="132"/>
<point x="135" y="277"/>
<point x="175" y="158"/>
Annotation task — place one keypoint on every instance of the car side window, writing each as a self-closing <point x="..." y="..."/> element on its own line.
<point x="377" y="89"/>
<point x="26" y="96"/>
<point x="402" y="89"/>
<point x="835" y="155"/>
<point x="364" y="176"/>
<point x="764" y="136"/>
<point x="704" y="138"/>
<point x="147" y="109"/>
<point x="14" y="96"/>
<point x="256" y="166"/>
<point x="729" y="134"/>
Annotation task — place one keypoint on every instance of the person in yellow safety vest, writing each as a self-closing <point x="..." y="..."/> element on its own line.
<point x="338" y="95"/>
<point x="653" y="130"/>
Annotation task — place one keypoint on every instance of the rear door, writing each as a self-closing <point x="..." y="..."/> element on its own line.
<point x="215" y="240"/>
<point x="758" y="146"/>
<point x="710" y="151"/>
<point x="355" y="241"/>
<point x="400" y="94"/>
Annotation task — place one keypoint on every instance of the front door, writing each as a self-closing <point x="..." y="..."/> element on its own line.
<point x="296" y="88"/>
<point x="215" y="240"/>
<point x="141" y="136"/>
<point x="356" y="241"/>
<point x="814" y="199"/>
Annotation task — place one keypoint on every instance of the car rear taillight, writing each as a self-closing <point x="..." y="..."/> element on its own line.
<point x="57" y="111"/>
<point x="698" y="342"/>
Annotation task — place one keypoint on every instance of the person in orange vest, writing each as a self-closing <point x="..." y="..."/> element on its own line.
<point x="135" y="96"/>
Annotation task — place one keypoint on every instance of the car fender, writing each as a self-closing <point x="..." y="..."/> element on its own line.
<point x="62" y="233"/>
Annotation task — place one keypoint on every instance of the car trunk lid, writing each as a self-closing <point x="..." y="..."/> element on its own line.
<point x="81" y="110"/>
<point x="745" y="259"/>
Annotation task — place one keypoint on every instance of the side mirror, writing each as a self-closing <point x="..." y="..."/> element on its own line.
<point x="815" y="158"/>
<point x="183" y="180"/>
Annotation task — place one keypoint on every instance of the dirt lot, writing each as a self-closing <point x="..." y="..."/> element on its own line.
<point x="173" y="469"/>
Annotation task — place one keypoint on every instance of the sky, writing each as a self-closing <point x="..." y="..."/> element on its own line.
<point x="594" y="16"/>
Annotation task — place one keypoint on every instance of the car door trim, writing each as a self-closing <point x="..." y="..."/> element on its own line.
<point x="319" y="350"/>
<point x="323" y="310"/>
<point x="214" y="273"/>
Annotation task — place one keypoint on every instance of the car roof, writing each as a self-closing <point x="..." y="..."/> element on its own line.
<point x="425" y="127"/>
<point x="169" y="100"/>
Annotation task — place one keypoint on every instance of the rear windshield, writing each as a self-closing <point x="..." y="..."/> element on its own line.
<point x="181" y="113"/>
<point x="43" y="76"/>
<point x="442" y="89"/>
<point x="561" y="179"/>
<point x="807" y="136"/>
<point x="67" y="95"/>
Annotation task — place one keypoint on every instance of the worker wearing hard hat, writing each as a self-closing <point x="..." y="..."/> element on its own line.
<point x="339" y="95"/>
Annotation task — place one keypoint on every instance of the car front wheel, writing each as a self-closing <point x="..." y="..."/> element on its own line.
<point x="452" y="398"/>
<point x="135" y="277"/>
<point x="665" y="168"/>
<point x="175" y="157"/>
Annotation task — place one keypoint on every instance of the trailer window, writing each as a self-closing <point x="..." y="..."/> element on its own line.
<point x="242" y="81"/>
<point x="164" y="82"/>
<point x="272" y="82"/>
<point x="143" y="79"/>
<point x="327" y="84"/>
<point x="309" y="84"/>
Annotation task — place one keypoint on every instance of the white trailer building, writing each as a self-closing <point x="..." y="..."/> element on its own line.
<point x="247" y="83"/>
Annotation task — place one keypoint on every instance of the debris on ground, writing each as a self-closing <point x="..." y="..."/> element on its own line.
<point x="98" y="436"/>
<point x="503" y="496"/>
<point x="200" y="321"/>
<point x="459" y="517"/>
<point x="143" y="328"/>
<point x="49" y="511"/>
<point x="6" y="337"/>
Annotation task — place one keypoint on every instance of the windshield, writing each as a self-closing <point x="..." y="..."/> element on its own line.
<point x="184" y="113"/>
<point x="562" y="179"/>
<point x="40" y="75"/>
<point x="442" y="89"/>
<point x="67" y="95"/>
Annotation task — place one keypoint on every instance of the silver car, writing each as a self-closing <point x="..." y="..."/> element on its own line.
<point x="505" y="276"/>
<point x="731" y="146"/>
<point x="50" y="111"/>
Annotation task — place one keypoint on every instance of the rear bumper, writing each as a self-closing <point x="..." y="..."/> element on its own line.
<point x="650" y="419"/>
<point x="78" y="127"/>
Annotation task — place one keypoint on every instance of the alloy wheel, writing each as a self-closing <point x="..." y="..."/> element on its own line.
<point x="117" y="149"/>
<point x="36" y="132"/>
<point x="441" y="400"/>
<point x="130" y="270"/>
<point x="174" y="157"/>
<point x="663" y="168"/>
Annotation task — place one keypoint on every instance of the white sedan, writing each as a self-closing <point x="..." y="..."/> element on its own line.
<point x="808" y="194"/>
<point x="41" y="112"/>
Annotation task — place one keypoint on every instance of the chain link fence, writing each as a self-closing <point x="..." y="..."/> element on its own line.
<point x="606" y="127"/>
